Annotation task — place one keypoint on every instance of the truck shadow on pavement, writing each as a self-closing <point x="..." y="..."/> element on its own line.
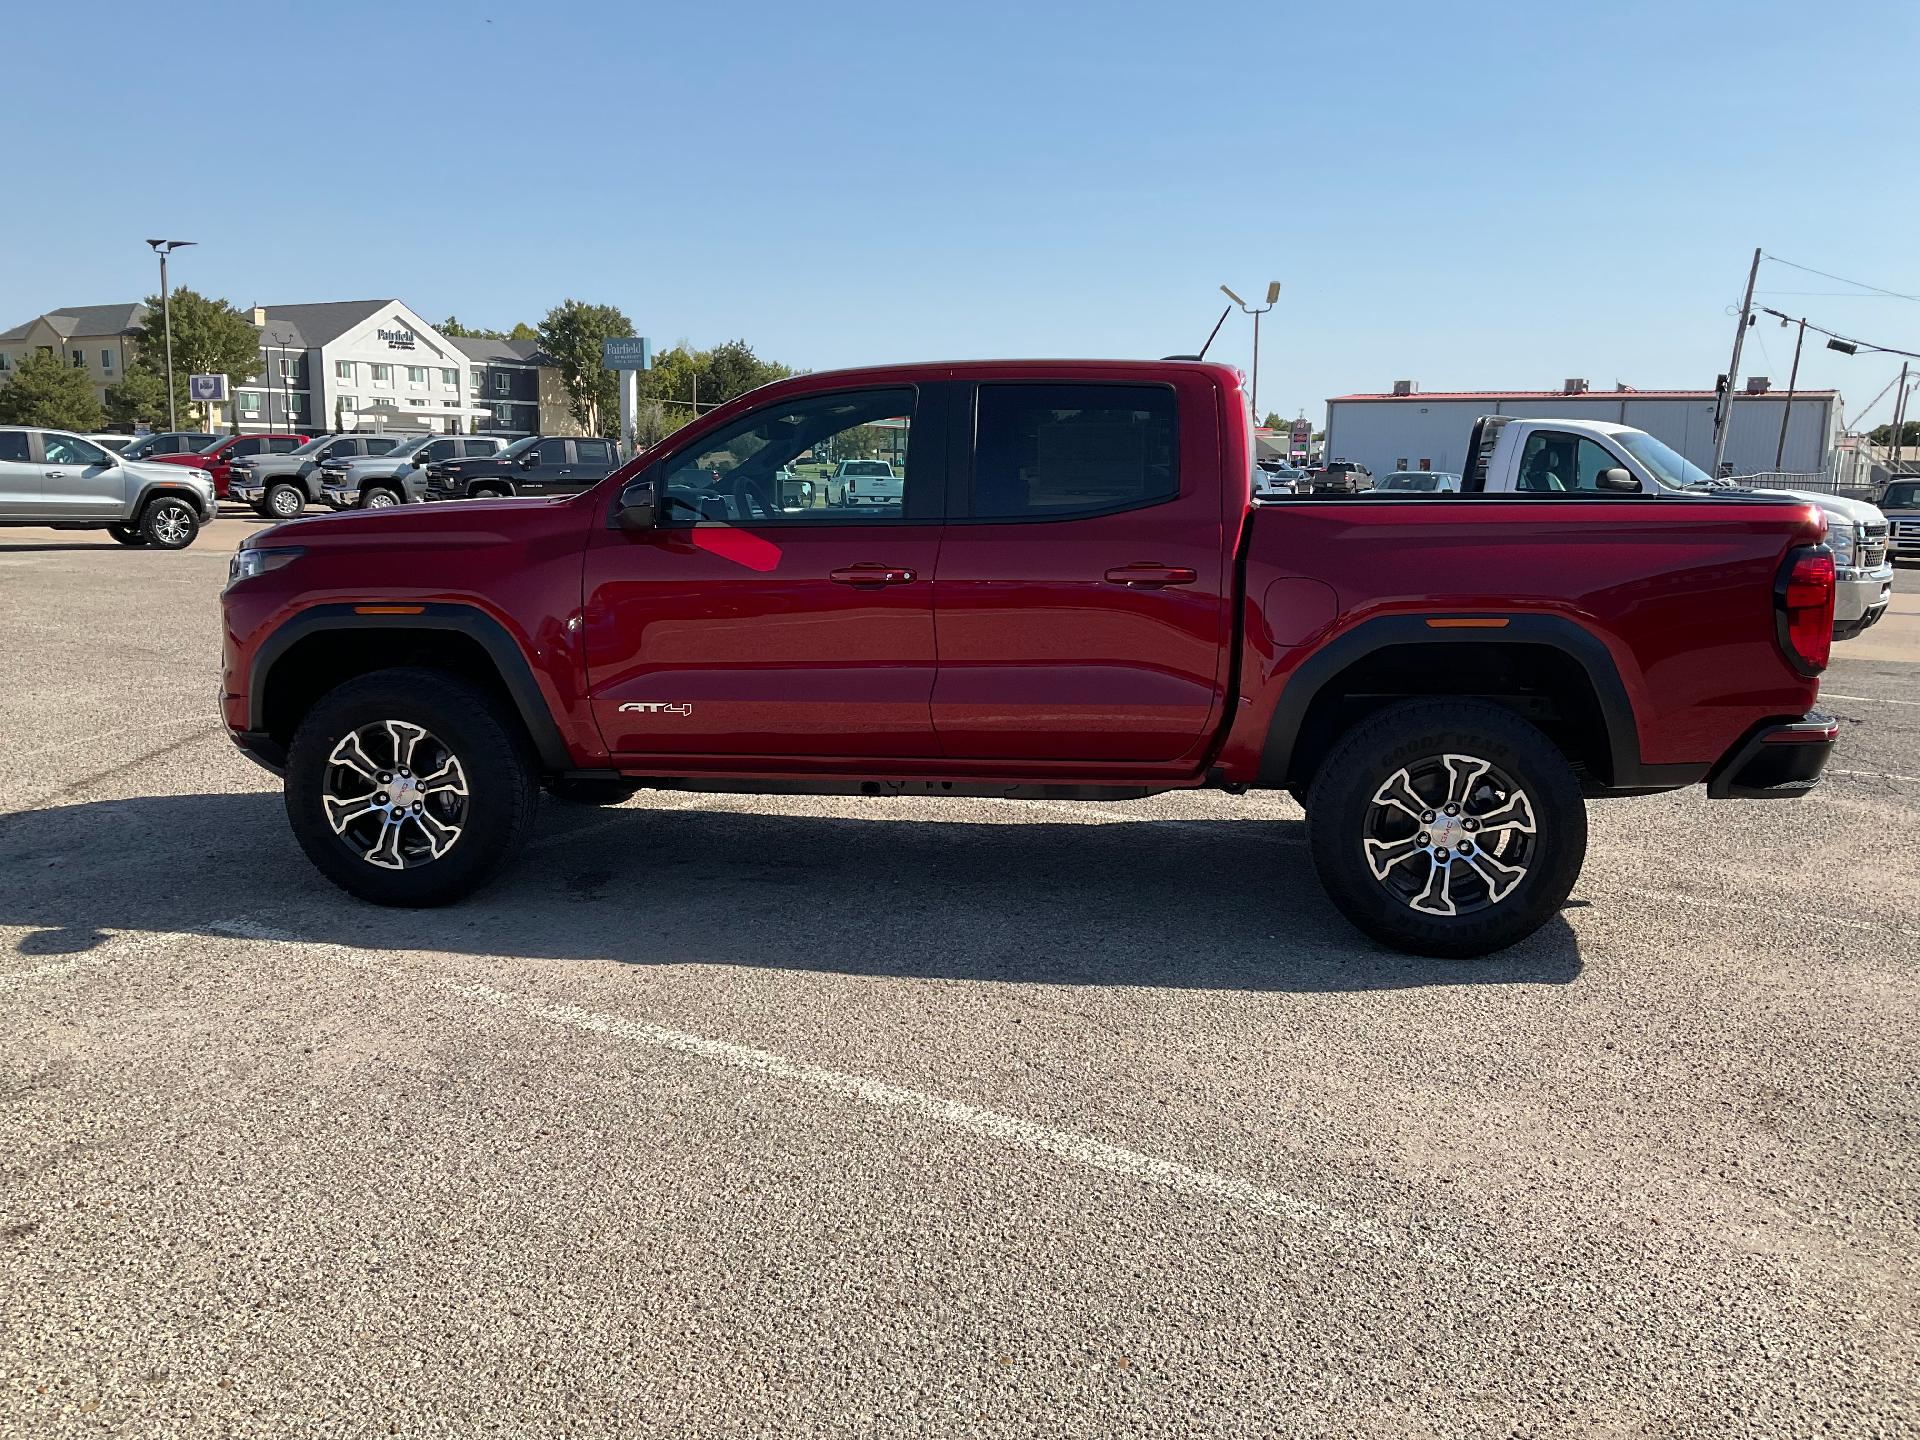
<point x="1193" y="904"/>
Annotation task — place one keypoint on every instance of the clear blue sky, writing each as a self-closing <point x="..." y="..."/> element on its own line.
<point x="1466" y="195"/>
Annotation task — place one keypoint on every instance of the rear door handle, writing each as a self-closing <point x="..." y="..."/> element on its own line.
<point x="1151" y="577"/>
<point x="872" y="575"/>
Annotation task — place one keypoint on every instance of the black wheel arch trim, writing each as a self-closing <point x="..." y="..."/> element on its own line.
<point x="1554" y="632"/>
<point x="508" y="659"/>
<point x="173" y="489"/>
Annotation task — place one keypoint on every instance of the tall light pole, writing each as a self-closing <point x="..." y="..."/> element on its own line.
<point x="1273" y="296"/>
<point x="1723" y="411"/>
<point x="164" y="248"/>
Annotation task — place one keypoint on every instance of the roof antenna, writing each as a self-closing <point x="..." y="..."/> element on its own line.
<point x="1210" y="334"/>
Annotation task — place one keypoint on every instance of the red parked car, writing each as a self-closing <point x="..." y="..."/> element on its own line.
<point x="1073" y="598"/>
<point x="217" y="459"/>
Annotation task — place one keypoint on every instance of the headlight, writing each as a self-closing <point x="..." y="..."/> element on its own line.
<point x="247" y="563"/>
<point x="1840" y="537"/>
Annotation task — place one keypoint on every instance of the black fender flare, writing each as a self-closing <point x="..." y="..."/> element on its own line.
<point x="507" y="657"/>
<point x="1554" y="632"/>
<point x="153" y="489"/>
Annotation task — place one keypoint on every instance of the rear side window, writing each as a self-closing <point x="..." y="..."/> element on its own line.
<point x="1054" y="451"/>
<point x="594" y="452"/>
<point x="13" y="445"/>
<point x="285" y="444"/>
<point x="378" y="445"/>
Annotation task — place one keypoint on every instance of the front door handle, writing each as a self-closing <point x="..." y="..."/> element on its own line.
<point x="1151" y="577"/>
<point x="872" y="575"/>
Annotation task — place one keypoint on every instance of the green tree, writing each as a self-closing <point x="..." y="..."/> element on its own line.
<point x="571" y="334"/>
<point x="1883" y="434"/>
<point x="139" y="397"/>
<point x="733" y="369"/>
<point x="210" y="337"/>
<point x="1273" y="421"/>
<point x="454" y="330"/>
<point x="523" y="331"/>
<point x="46" y="390"/>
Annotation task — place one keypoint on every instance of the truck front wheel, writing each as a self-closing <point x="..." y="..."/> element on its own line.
<point x="409" y="787"/>
<point x="282" y="502"/>
<point x="379" y="497"/>
<point x="1446" y="827"/>
<point x="169" y="523"/>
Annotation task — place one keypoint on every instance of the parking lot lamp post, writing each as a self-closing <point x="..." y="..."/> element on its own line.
<point x="164" y="248"/>
<point x="1273" y="296"/>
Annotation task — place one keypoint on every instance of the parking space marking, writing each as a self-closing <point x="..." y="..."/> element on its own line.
<point x="1876" y="775"/>
<point x="1872" y="699"/>
<point x="1708" y="902"/>
<point x="1077" y="1150"/>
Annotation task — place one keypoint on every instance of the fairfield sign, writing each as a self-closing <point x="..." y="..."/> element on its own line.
<point x="397" y="339"/>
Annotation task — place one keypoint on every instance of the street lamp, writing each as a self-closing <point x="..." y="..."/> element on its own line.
<point x="1273" y="295"/>
<point x="164" y="248"/>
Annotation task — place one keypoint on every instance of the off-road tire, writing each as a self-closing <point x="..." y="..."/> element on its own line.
<point x="169" y="523"/>
<point x="591" y="792"/>
<point x="499" y="771"/>
<point x="126" y="534"/>
<point x="271" y="511"/>
<point x="1402" y="736"/>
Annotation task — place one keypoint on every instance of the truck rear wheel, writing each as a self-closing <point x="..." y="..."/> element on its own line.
<point x="1446" y="827"/>
<point x="409" y="787"/>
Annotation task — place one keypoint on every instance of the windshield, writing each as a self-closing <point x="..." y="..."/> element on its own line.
<point x="1669" y="466"/>
<point x="518" y="448"/>
<point x="1903" y="496"/>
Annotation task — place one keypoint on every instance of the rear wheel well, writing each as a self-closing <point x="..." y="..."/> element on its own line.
<point x="319" y="663"/>
<point x="1543" y="685"/>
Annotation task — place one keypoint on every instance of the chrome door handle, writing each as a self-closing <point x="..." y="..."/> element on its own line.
<point x="872" y="575"/>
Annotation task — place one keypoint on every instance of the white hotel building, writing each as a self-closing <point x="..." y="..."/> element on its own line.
<point x="375" y="364"/>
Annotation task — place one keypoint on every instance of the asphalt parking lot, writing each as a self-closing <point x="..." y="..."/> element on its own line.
<point x="735" y="1116"/>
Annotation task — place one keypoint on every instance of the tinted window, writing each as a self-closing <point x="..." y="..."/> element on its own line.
<point x="594" y="452"/>
<point x="1055" y="450"/>
<point x="437" y="450"/>
<point x="13" y="445"/>
<point x="283" y="445"/>
<point x="241" y="448"/>
<point x="72" y="450"/>
<point x="553" y="452"/>
<point x="484" y="449"/>
<point x="780" y="465"/>
<point x="377" y="444"/>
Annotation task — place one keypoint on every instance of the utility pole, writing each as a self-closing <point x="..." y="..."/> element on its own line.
<point x="1899" y="419"/>
<point x="1793" y="379"/>
<point x="1723" y="413"/>
<point x="164" y="248"/>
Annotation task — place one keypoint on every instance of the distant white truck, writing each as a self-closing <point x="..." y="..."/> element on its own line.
<point x="865" y="482"/>
<point x="1508" y="455"/>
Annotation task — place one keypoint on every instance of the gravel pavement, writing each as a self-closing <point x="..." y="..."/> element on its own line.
<point x="730" y="1116"/>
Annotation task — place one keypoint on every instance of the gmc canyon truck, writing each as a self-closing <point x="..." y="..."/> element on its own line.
<point x="1075" y="597"/>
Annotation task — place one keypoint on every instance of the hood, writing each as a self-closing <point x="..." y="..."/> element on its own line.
<point x="1836" y="507"/>
<point x="157" y="469"/>
<point x="470" y="521"/>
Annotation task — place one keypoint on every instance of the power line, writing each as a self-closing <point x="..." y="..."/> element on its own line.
<point x="1854" y="341"/>
<point x="1826" y="275"/>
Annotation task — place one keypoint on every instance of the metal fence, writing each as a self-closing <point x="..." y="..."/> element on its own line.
<point x="1822" y="482"/>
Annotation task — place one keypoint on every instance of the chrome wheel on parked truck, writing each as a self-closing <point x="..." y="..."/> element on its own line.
<point x="1447" y="827"/>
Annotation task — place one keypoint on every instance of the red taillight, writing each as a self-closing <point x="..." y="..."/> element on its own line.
<point x="1803" y="609"/>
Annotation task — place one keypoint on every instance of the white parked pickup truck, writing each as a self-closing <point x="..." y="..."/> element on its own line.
<point x="1508" y="455"/>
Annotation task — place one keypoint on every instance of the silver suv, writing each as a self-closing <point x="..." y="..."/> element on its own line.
<point x="58" y="479"/>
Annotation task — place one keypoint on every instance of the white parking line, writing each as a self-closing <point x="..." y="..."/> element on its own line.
<point x="1872" y="699"/>
<point x="1772" y="912"/>
<point x="1875" y="775"/>
<point x="1009" y="1130"/>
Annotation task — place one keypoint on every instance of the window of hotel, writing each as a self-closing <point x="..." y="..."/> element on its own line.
<point x="79" y="359"/>
<point x="502" y="383"/>
<point x="418" y="404"/>
<point x="473" y="378"/>
<point x="287" y="364"/>
<point x="249" y="403"/>
<point x="343" y="370"/>
<point x="106" y="359"/>
<point x="348" y="404"/>
<point x="416" y="374"/>
<point x="450" y="379"/>
<point x="4" y="362"/>
<point x="383" y="374"/>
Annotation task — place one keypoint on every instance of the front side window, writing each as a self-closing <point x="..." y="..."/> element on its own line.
<point x="552" y="452"/>
<point x="1555" y="462"/>
<point x="241" y="448"/>
<point x="72" y="450"/>
<point x="437" y="450"/>
<point x="1052" y="451"/>
<point x="755" y="471"/>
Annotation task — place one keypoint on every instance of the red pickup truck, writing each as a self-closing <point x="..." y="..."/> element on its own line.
<point x="217" y="459"/>
<point x="1075" y="597"/>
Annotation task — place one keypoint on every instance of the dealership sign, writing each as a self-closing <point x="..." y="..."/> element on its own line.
<point x="207" y="388"/>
